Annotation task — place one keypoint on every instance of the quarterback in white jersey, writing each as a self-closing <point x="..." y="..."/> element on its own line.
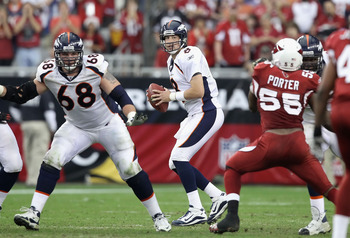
<point x="195" y="86"/>
<point x="10" y="159"/>
<point x="81" y="85"/>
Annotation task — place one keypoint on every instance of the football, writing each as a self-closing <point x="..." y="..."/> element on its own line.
<point x="162" y="107"/>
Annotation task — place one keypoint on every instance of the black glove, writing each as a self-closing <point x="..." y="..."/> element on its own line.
<point x="4" y="117"/>
<point x="135" y="119"/>
<point x="259" y="61"/>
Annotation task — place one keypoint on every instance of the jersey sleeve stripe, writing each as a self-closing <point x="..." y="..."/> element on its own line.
<point x="95" y="70"/>
<point x="42" y="76"/>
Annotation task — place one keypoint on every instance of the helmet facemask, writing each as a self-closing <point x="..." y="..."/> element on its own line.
<point x="312" y="63"/>
<point x="69" y="63"/>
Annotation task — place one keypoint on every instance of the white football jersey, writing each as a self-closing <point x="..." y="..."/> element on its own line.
<point x="80" y="96"/>
<point x="187" y="63"/>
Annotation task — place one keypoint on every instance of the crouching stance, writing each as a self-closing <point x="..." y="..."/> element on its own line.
<point x="86" y="91"/>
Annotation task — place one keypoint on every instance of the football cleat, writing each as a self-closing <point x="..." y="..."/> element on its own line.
<point x="192" y="217"/>
<point x="29" y="219"/>
<point x="217" y="208"/>
<point x="228" y="224"/>
<point x="161" y="223"/>
<point x="319" y="224"/>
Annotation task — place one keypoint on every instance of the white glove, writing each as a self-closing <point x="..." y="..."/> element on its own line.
<point x="135" y="119"/>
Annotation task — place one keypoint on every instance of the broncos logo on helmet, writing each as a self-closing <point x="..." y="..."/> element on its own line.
<point x="65" y="43"/>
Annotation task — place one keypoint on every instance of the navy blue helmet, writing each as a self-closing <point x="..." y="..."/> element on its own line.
<point x="68" y="42"/>
<point x="171" y="28"/>
<point x="312" y="53"/>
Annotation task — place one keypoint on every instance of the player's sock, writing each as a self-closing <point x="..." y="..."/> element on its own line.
<point x="7" y="180"/>
<point x="340" y="225"/>
<point x="188" y="179"/>
<point x="212" y="191"/>
<point x="142" y="187"/>
<point x="316" y="199"/>
<point x="47" y="180"/>
<point x="201" y="181"/>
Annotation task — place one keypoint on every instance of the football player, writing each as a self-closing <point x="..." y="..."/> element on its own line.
<point x="80" y="83"/>
<point x="280" y="91"/>
<point x="194" y="86"/>
<point x="336" y="77"/>
<point x="10" y="159"/>
<point x="313" y="60"/>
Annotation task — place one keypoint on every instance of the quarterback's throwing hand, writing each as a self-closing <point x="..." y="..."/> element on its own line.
<point x="135" y="119"/>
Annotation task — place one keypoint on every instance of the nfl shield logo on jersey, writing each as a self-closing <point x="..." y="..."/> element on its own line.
<point x="227" y="147"/>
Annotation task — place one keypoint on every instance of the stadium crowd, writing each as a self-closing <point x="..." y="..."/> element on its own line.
<point x="230" y="33"/>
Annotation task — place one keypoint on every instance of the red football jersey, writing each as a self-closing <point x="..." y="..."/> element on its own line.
<point x="338" y="48"/>
<point x="282" y="96"/>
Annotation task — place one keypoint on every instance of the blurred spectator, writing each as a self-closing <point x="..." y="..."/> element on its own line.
<point x="291" y="31"/>
<point x="38" y="123"/>
<point x="264" y="38"/>
<point x="305" y="13"/>
<point x="244" y="9"/>
<point x="65" y="21"/>
<point x="6" y="44"/>
<point x="109" y="12"/>
<point x="14" y="8"/>
<point x="202" y="37"/>
<point x="279" y="11"/>
<point x="171" y="12"/>
<point x="131" y="21"/>
<point x="342" y="7"/>
<point x="93" y="41"/>
<point x="50" y="9"/>
<point x="27" y="31"/>
<point x="88" y="8"/>
<point x="194" y="9"/>
<point x="329" y="21"/>
<point x="232" y="39"/>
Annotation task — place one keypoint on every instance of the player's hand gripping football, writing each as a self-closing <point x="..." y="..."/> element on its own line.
<point x="135" y="119"/>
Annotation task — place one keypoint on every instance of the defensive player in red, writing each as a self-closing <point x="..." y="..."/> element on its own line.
<point x="337" y="77"/>
<point x="280" y="91"/>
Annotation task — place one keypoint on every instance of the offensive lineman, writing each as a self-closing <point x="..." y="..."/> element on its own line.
<point x="280" y="91"/>
<point x="196" y="88"/>
<point x="76" y="81"/>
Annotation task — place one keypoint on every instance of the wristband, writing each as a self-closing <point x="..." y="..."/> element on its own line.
<point x="131" y="115"/>
<point x="172" y="96"/>
<point x="180" y="96"/>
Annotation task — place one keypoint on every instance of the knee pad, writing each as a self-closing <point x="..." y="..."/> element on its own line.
<point x="53" y="159"/>
<point x="15" y="166"/>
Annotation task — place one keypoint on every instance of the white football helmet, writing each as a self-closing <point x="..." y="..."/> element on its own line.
<point x="287" y="55"/>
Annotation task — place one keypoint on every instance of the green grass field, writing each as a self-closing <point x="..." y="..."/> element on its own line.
<point x="75" y="210"/>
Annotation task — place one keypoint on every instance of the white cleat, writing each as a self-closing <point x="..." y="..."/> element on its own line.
<point x="192" y="217"/>
<point x="29" y="219"/>
<point x="161" y="223"/>
<point x="217" y="208"/>
<point x="318" y="225"/>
